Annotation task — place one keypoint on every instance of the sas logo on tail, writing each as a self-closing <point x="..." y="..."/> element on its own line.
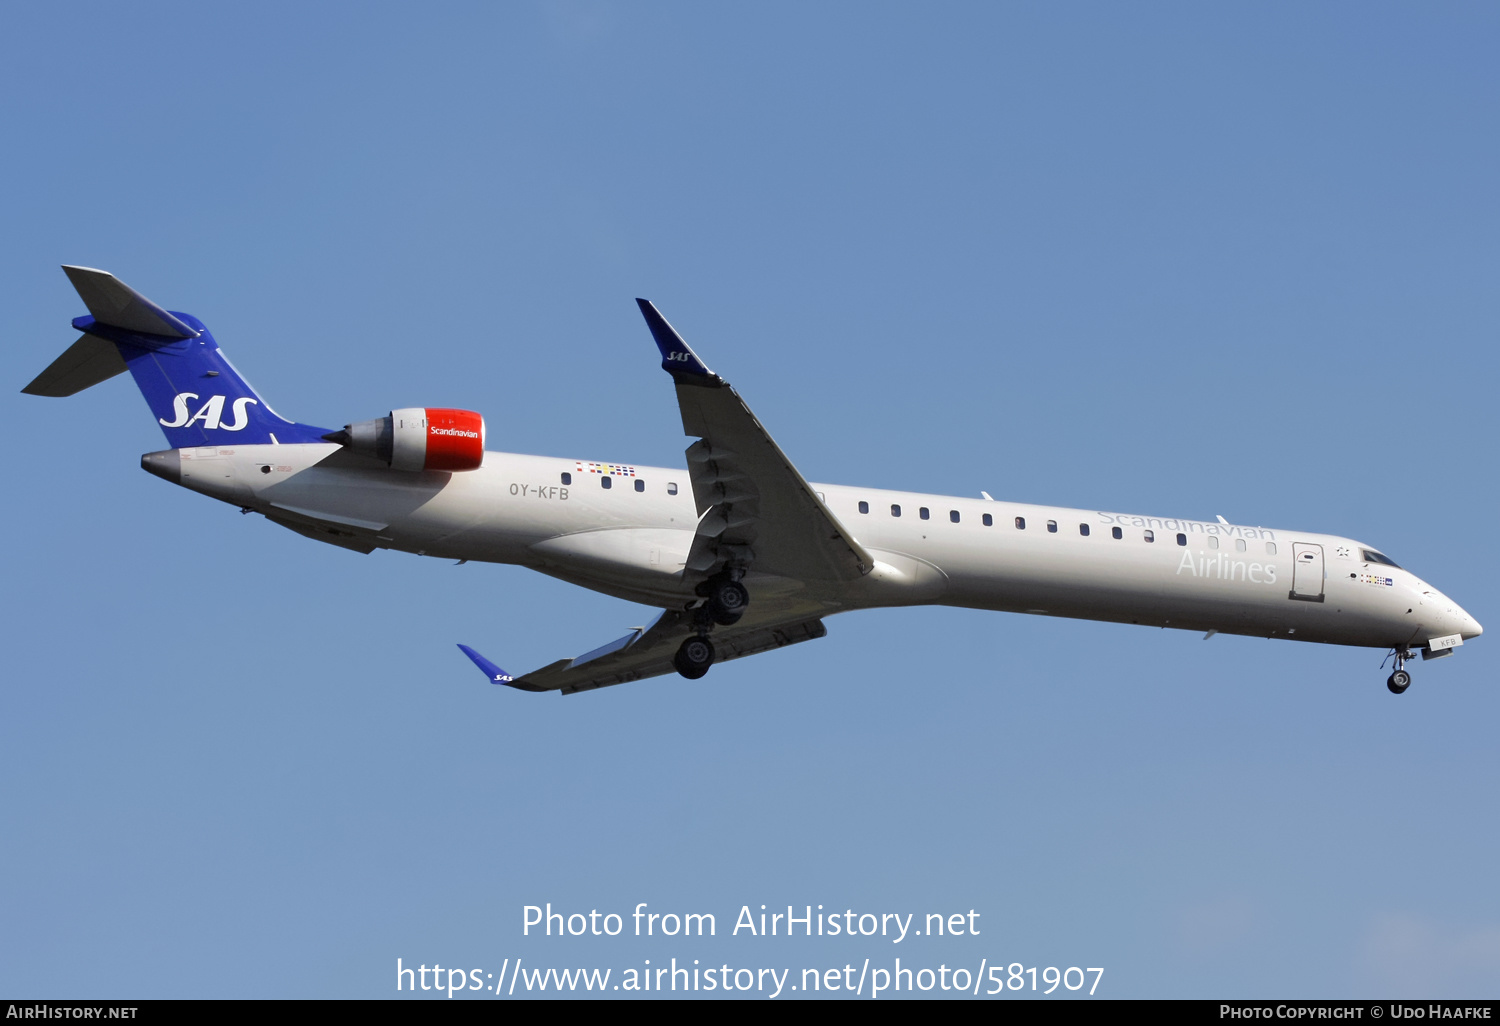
<point x="210" y="413"/>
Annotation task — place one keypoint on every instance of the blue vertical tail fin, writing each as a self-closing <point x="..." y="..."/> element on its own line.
<point x="193" y="390"/>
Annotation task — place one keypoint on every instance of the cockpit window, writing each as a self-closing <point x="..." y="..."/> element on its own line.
<point x="1371" y="556"/>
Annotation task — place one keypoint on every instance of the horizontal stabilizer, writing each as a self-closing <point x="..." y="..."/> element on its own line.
<point x="116" y="304"/>
<point x="87" y="362"/>
<point x="194" y="392"/>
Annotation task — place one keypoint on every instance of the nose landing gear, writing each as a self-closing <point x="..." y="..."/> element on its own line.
<point x="1400" y="680"/>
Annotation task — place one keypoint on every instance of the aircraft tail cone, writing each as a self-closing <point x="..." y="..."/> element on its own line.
<point x="166" y="465"/>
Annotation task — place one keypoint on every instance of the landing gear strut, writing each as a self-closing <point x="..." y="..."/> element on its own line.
<point x="1400" y="680"/>
<point x="726" y="602"/>
<point x="694" y="657"/>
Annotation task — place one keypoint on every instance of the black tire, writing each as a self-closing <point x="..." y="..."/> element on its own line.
<point x="694" y="657"/>
<point x="1398" y="682"/>
<point x="727" y="602"/>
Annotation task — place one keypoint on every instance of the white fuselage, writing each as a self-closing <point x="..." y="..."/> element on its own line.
<point x="632" y="543"/>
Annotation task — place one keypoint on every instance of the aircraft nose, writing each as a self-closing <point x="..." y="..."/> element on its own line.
<point x="1470" y="628"/>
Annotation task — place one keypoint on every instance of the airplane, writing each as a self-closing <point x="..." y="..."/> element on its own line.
<point x="739" y="552"/>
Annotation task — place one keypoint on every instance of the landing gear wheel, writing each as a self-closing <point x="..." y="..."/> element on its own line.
<point x="694" y="657"/>
<point x="1398" y="682"/>
<point x="727" y="602"/>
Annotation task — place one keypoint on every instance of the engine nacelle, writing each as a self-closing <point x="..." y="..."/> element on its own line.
<point x="420" y="438"/>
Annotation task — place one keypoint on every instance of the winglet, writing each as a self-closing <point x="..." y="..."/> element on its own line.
<point x="494" y="673"/>
<point x="116" y="304"/>
<point x="677" y="358"/>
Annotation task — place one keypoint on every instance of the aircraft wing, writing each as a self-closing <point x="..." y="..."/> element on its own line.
<point x="755" y="510"/>
<point x="647" y="651"/>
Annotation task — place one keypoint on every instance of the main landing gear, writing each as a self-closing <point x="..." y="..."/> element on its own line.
<point x="1400" y="680"/>
<point x="727" y="600"/>
<point x="694" y="657"/>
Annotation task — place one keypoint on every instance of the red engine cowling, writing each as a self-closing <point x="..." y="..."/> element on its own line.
<point x="419" y="438"/>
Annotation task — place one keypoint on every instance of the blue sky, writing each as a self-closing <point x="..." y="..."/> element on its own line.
<point x="1170" y="259"/>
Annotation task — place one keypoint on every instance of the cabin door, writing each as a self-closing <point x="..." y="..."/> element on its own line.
<point x="1307" y="572"/>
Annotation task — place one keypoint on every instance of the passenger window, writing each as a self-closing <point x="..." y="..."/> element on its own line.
<point x="1083" y="529"/>
<point x="1151" y="536"/>
<point x="895" y="510"/>
<point x="1052" y="527"/>
<point x="567" y="478"/>
<point x="1181" y="539"/>
<point x="1270" y="548"/>
<point x="1213" y="541"/>
<point x="924" y="513"/>
<point x="953" y="515"/>
<point x="1239" y="545"/>
<point x="606" y="481"/>
<point x="1116" y="533"/>
<point x="640" y="485"/>
<point x="1020" y="523"/>
<point x="989" y="521"/>
<point x="671" y="487"/>
<point x="864" y="507"/>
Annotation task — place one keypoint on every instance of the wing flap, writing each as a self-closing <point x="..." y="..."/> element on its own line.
<point x="756" y="511"/>
<point x="648" y="652"/>
<point x="750" y="496"/>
